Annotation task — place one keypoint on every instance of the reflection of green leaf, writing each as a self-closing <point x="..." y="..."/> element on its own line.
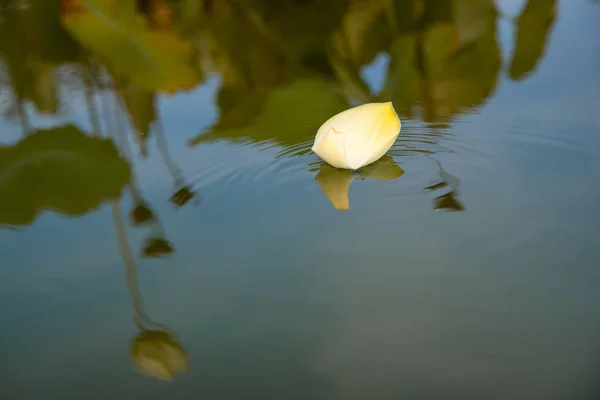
<point x="115" y="32"/>
<point x="140" y="105"/>
<point x="364" y="32"/>
<point x="403" y="80"/>
<point x="448" y="66"/>
<point x="32" y="71"/>
<point x="533" y="28"/>
<point x="291" y="114"/>
<point x="59" y="169"/>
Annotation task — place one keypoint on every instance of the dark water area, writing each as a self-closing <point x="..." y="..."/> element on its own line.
<point x="166" y="231"/>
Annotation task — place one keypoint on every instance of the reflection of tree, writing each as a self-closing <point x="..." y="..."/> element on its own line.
<point x="448" y="63"/>
<point x="289" y="116"/>
<point x="284" y="66"/>
<point x="33" y="45"/>
<point x="445" y="58"/>
<point x="153" y="57"/>
<point x="155" y="350"/>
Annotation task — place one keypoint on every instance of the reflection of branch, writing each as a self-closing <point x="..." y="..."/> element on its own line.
<point x="163" y="149"/>
<point x="107" y="114"/>
<point x="121" y="138"/>
<point x="184" y="193"/>
<point x="131" y="276"/>
<point x="142" y="320"/>
<point x="23" y="118"/>
<point x="141" y="212"/>
<point x="90" y="99"/>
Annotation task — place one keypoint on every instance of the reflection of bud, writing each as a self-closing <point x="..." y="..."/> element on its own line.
<point x="157" y="354"/>
<point x="141" y="214"/>
<point x="182" y="196"/>
<point x="157" y="247"/>
<point x="335" y="182"/>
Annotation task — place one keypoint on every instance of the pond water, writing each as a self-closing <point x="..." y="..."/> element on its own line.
<point x="167" y="233"/>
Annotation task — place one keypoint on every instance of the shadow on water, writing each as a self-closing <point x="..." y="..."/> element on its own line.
<point x="278" y="82"/>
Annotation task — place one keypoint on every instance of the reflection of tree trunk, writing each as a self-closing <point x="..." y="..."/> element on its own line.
<point x="131" y="275"/>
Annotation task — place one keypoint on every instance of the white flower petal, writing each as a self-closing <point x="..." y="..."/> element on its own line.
<point x="358" y="136"/>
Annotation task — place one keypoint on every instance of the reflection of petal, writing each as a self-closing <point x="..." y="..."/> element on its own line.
<point x="335" y="184"/>
<point x="384" y="170"/>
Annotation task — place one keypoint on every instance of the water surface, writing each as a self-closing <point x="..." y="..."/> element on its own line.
<point x="157" y="188"/>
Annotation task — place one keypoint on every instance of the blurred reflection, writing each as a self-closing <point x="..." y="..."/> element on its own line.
<point x="141" y="213"/>
<point x="448" y="62"/>
<point x="533" y="30"/>
<point x="157" y="354"/>
<point x="155" y="350"/>
<point x="31" y="73"/>
<point x="335" y="182"/>
<point x="278" y="80"/>
<point x="445" y="57"/>
<point x="59" y="169"/>
<point x="183" y="192"/>
<point x="448" y="201"/>
<point x="155" y="245"/>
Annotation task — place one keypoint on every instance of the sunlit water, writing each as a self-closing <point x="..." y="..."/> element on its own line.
<point x="465" y="267"/>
